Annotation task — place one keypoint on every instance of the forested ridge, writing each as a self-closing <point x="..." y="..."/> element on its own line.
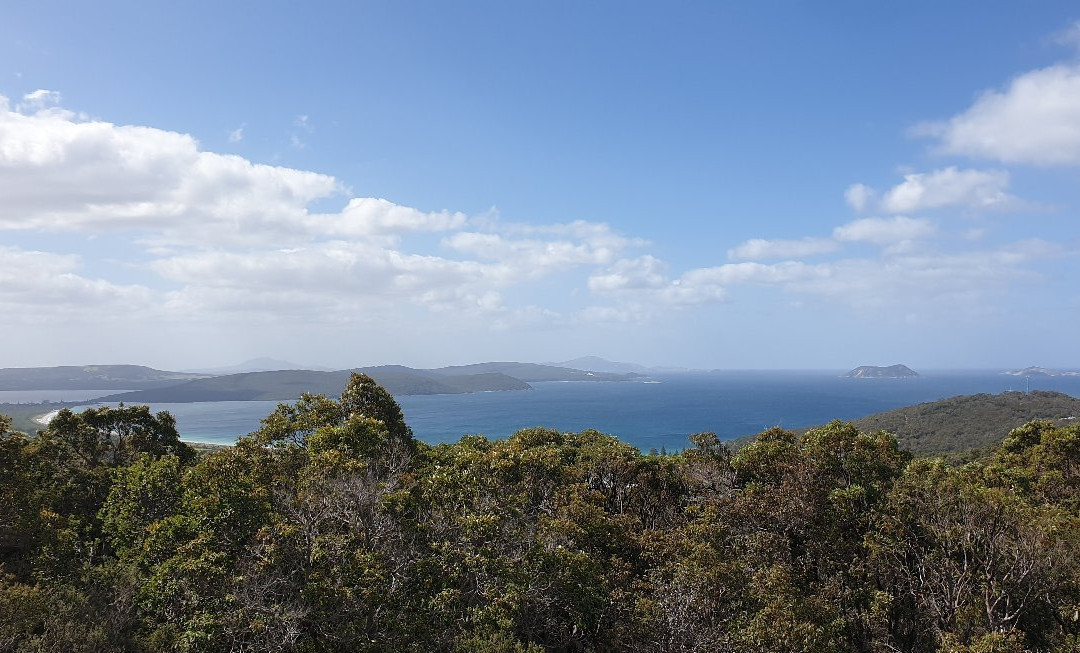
<point x="971" y="424"/>
<point x="332" y="529"/>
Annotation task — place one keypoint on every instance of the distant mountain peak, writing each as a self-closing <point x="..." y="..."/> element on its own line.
<point x="875" y="372"/>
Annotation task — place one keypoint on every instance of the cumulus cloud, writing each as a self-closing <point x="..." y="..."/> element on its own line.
<point x="951" y="282"/>
<point x="958" y="281"/>
<point x="752" y="273"/>
<point x="212" y="226"/>
<point x="532" y="254"/>
<point x="339" y="278"/>
<point x="859" y="196"/>
<point x="369" y="215"/>
<point x="643" y="273"/>
<point x="1034" y="120"/>
<point x="643" y="282"/>
<point x="757" y="249"/>
<point x="237" y="135"/>
<point x="58" y="173"/>
<point x="39" y="100"/>
<point x="356" y="268"/>
<point x="599" y="235"/>
<point x="884" y="231"/>
<point x="949" y="187"/>
<point x="934" y="281"/>
<point x="46" y="285"/>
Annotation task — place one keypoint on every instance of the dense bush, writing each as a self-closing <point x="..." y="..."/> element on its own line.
<point x="332" y="529"/>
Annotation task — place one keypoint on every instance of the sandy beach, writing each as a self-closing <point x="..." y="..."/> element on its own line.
<point x="46" y="418"/>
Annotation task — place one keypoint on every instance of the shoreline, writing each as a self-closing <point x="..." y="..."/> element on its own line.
<point x="45" y="418"/>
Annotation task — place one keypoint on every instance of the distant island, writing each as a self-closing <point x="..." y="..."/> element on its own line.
<point x="137" y="384"/>
<point x="874" y="372"/>
<point x="1040" y="371"/>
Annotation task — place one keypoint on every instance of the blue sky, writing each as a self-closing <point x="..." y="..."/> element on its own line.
<point x="716" y="185"/>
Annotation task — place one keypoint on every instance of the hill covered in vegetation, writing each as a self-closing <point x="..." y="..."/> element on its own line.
<point x="332" y="529"/>
<point x="971" y="422"/>
<point x="90" y="377"/>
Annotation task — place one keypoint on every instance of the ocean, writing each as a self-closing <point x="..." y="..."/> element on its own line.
<point x="659" y="412"/>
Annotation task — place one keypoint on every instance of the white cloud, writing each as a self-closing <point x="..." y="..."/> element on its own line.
<point x="918" y="284"/>
<point x="535" y="257"/>
<point x="339" y="279"/>
<point x="642" y="286"/>
<point x="949" y="283"/>
<point x="643" y="273"/>
<point x="936" y="282"/>
<point x="58" y="173"/>
<point x="757" y="249"/>
<point x="211" y="228"/>
<point x="752" y="273"/>
<point x="598" y="235"/>
<point x="949" y="187"/>
<point x="859" y="196"/>
<point x="61" y="174"/>
<point x="884" y="231"/>
<point x="218" y="235"/>
<point x="39" y="100"/>
<point x="1035" y="120"/>
<point x="237" y="135"/>
<point x="44" y="285"/>
<point x="369" y="215"/>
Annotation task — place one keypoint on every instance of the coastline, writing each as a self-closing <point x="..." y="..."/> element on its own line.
<point x="45" y="418"/>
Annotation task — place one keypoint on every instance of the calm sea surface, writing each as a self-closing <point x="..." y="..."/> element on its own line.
<point x="661" y="413"/>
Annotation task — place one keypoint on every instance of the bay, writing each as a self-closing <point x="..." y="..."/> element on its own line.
<point x="660" y="412"/>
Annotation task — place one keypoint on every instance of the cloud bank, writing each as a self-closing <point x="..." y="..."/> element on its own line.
<point x="205" y="237"/>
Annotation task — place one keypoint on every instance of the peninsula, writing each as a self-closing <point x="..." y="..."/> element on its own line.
<point x="1040" y="371"/>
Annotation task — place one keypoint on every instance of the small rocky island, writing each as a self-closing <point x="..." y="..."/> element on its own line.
<point x="874" y="372"/>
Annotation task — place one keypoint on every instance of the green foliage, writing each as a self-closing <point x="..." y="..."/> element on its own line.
<point x="950" y="427"/>
<point x="331" y="529"/>
<point x="43" y="619"/>
<point x="113" y="436"/>
<point x="142" y="494"/>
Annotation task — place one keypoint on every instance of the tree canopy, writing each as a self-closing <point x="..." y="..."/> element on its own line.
<point x="332" y="529"/>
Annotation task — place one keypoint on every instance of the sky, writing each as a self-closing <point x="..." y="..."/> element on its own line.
<point x="735" y="185"/>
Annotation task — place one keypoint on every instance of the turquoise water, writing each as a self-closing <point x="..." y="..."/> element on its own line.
<point x="645" y="415"/>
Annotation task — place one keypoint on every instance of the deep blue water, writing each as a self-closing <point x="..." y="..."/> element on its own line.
<point x="646" y="415"/>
